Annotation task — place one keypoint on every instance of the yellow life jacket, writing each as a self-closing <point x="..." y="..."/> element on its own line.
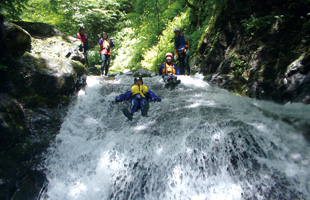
<point x="136" y="89"/>
<point x="106" y="43"/>
<point x="169" y="69"/>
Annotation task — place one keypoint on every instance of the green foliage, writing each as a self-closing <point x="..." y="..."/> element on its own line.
<point x="238" y="66"/>
<point x="94" y="56"/>
<point x="255" y="24"/>
<point x="67" y="16"/>
<point x="155" y="55"/>
<point x="142" y="30"/>
<point x="128" y="52"/>
<point x="148" y="25"/>
<point x="3" y="67"/>
<point x="12" y="9"/>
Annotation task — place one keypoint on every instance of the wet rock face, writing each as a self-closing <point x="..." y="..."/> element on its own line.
<point x="268" y="50"/>
<point x="296" y="83"/>
<point x="38" y="74"/>
<point x="24" y="134"/>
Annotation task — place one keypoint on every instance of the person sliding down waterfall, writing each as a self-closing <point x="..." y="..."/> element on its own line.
<point x="168" y="70"/>
<point x="105" y="53"/>
<point x="139" y="96"/>
<point x="181" y="51"/>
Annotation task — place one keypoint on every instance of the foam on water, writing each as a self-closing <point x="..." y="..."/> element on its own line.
<point x="199" y="143"/>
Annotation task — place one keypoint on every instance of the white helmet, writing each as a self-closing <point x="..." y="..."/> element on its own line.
<point x="169" y="54"/>
<point x="176" y="29"/>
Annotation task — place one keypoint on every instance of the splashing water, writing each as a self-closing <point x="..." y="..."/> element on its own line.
<point x="199" y="143"/>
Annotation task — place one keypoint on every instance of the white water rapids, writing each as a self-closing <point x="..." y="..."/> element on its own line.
<point x="199" y="143"/>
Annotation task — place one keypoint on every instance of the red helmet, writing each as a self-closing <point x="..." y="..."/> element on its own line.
<point x="169" y="54"/>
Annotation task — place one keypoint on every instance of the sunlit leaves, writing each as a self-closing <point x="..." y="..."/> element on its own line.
<point x="12" y="8"/>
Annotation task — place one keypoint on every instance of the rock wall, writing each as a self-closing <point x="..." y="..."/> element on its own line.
<point x="259" y="49"/>
<point x="39" y="72"/>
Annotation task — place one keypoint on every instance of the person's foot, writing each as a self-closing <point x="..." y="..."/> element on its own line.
<point x="146" y="107"/>
<point x="127" y="114"/>
<point x="167" y="85"/>
<point x="178" y="82"/>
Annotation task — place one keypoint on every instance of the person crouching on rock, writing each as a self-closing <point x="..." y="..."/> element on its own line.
<point x="105" y="53"/>
<point x="168" y="70"/>
<point x="139" y="97"/>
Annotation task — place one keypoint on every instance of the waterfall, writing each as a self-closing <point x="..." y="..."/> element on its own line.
<point x="200" y="143"/>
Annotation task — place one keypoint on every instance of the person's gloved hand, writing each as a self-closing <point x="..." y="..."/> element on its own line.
<point x="156" y="99"/>
<point x="117" y="99"/>
<point x="187" y="53"/>
<point x="175" y="57"/>
<point x="87" y="52"/>
<point x="165" y="78"/>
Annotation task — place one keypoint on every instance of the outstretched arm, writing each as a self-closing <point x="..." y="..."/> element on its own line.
<point x="177" y="72"/>
<point x="123" y="97"/>
<point x="161" y="69"/>
<point x="152" y="96"/>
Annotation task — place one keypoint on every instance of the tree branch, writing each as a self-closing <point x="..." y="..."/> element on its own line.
<point x="190" y="5"/>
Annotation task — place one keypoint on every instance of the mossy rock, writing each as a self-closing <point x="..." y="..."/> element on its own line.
<point x="18" y="41"/>
<point x="95" y="70"/>
<point x="79" y="68"/>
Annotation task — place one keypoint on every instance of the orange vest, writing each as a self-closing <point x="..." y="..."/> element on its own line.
<point x="169" y="69"/>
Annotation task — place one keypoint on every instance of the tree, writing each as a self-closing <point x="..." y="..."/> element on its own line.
<point x="12" y="9"/>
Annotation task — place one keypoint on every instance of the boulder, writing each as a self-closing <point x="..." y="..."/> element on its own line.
<point x="95" y="70"/>
<point x="231" y="83"/>
<point x="296" y="83"/>
<point x="40" y="30"/>
<point x="143" y="72"/>
<point x="35" y="88"/>
<point x="57" y="47"/>
<point x="17" y="42"/>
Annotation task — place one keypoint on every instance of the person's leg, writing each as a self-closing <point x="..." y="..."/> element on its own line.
<point x="169" y="78"/>
<point x="144" y="104"/>
<point x="186" y="65"/>
<point x="181" y="64"/>
<point x="107" y="64"/>
<point x="127" y="113"/>
<point x="134" y="106"/>
<point x="103" y="59"/>
<point x="86" y="58"/>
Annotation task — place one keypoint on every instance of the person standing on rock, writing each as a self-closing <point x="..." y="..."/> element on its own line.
<point x="105" y="53"/>
<point x="82" y="36"/>
<point x="181" y="50"/>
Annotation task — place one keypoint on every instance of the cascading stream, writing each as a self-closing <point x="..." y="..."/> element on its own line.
<point x="200" y="142"/>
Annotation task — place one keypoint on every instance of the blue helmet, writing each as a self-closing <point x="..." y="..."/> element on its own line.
<point x="81" y="28"/>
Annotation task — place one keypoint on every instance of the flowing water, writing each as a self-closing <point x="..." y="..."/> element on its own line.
<point x="199" y="143"/>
